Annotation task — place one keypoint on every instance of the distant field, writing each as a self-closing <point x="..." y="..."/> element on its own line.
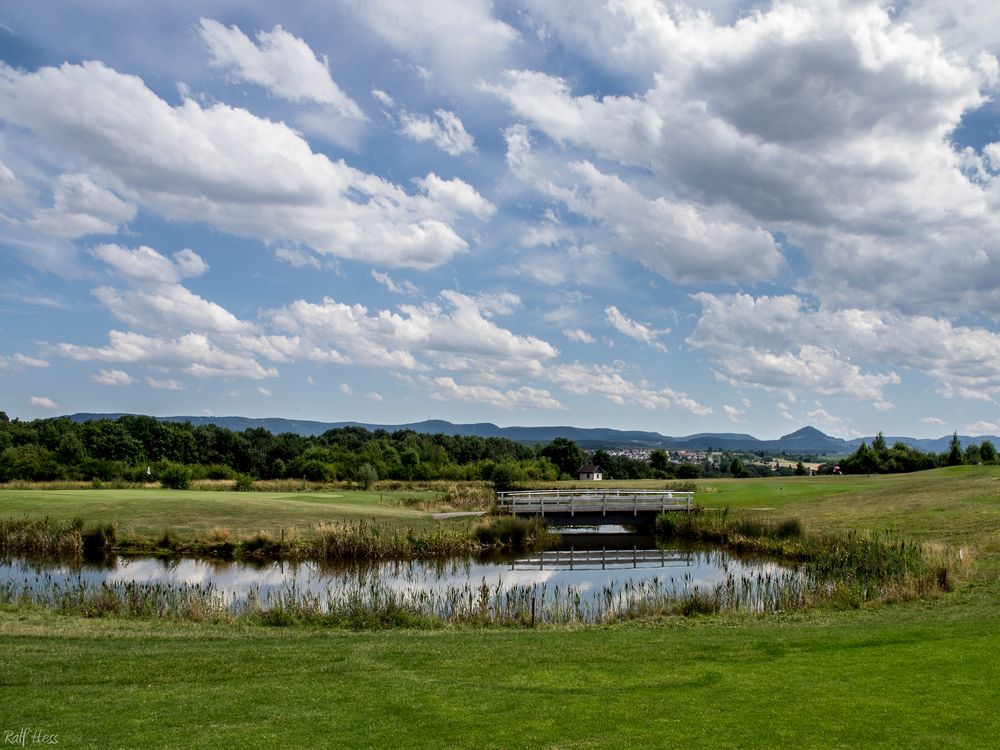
<point x="147" y="512"/>
<point x="958" y="505"/>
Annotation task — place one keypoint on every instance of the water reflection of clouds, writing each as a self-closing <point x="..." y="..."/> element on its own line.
<point x="680" y="570"/>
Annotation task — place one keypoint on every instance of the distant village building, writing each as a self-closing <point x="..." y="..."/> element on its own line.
<point x="591" y="471"/>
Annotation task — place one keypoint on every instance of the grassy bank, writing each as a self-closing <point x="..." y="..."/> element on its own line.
<point x="74" y="541"/>
<point x="907" y="676"/>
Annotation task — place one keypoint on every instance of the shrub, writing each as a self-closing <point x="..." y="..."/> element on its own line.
<point x="175" y="477"/>
<point x="243" y="483"/>
<point x="506" y="476"/>
<point x="511" y="531"/>
<point x="99" y="541"/>
<point x="790" y="528"/>
<point x="666" y="525"/>
<point x="689" y="471"/>
<point x="367" y="476"/>
<point x="261" y="545"/>
<point x="219" y="471"/>
<point x="167" y="542"/>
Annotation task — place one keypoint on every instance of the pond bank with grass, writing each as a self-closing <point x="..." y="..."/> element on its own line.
<point x="702" y="563"/>
<point x="848" y="568"/>
<point x="74" y="540"/>
<point x="582" y="578"/>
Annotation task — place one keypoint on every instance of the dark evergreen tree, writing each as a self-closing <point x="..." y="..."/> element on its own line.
<point x="954" y="457"/>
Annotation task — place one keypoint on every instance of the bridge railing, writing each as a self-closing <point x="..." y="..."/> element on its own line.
<point x="542" y="502"/>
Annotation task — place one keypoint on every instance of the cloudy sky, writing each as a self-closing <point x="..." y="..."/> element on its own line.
<point x="722" y="216"/>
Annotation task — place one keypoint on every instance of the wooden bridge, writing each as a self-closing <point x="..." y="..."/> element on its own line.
<point x="593" y="505"/>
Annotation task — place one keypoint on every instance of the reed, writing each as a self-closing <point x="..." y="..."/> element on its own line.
<point x="331" y="542"/>
<point x="374" y="604"/>
<point x="362" y="601"/>
<point x="857" y="567"/>
<point x="513" y="532"/>
<point x="368" y="541"/>
<point x="41" y="538"/>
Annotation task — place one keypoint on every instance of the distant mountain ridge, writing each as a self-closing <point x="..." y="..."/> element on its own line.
<point x="806" y="441"/>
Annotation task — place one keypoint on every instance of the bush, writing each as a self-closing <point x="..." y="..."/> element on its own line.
<point x="175" y="477"/>
<point x="243" y="483"/>
<point x="511" y="531"/>
<point x="33" y="463"/>
<point x="689" y="471"/>
<point x="99" y="541"/>
<point x="219" y="471"/>
<point x="506" y="476"/>
<point x="367" y="476"/>
<point x="666" y="526"/>
<point x="790" y="528"/>
<point x="317" y="471"/>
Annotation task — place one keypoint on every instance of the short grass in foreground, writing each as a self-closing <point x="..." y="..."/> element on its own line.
<point x="910" y="676"/>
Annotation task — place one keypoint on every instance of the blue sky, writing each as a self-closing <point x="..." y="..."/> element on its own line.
<point x="721" y="216"/>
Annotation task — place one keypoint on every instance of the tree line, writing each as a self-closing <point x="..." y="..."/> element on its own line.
<point x="880" y="458"/>
<point x="143" y="448"/>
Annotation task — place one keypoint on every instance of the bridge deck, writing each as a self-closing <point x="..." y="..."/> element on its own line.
<point x="591" y="503"/>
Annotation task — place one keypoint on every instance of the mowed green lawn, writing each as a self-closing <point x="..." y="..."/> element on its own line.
<point x="956" y="505"/>
<point x="149" y="512"/>
<point x="916" y="675"/>
<point x="919" y="676"/>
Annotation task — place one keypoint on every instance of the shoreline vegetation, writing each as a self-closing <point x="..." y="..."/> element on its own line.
<point x="834" y="571"/>
<point x="832" y="530"/>
<point x="73" y="540"/>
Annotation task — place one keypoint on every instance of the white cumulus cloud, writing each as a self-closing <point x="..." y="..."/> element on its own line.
<point x="446" y="389"/>
<point x="281" y="62"/>
<point x="633" y="329"/>
<point x="445" y="130"/>
<point x="236" y="171"/>
<point x="578" y="334"/>
<point x="115" y="378"/>
<point x="608" y="382"/>
<point x="166" y="384"/>
<point x="780" y="344"/>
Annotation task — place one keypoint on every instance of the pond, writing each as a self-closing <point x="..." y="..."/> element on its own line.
<point x="590" y="574"/>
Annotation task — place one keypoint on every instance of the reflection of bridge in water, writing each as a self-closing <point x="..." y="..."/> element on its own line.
<point x="594" y="505"/>
<point x="602" y="559"/>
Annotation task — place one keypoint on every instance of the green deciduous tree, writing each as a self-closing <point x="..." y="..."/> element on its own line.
<point x="366" y="476"/>
<point x="737" y="467"/>
<point x="689" y="471"/>
<point x="987" y="452"/>
<point x="565" y="454"/>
